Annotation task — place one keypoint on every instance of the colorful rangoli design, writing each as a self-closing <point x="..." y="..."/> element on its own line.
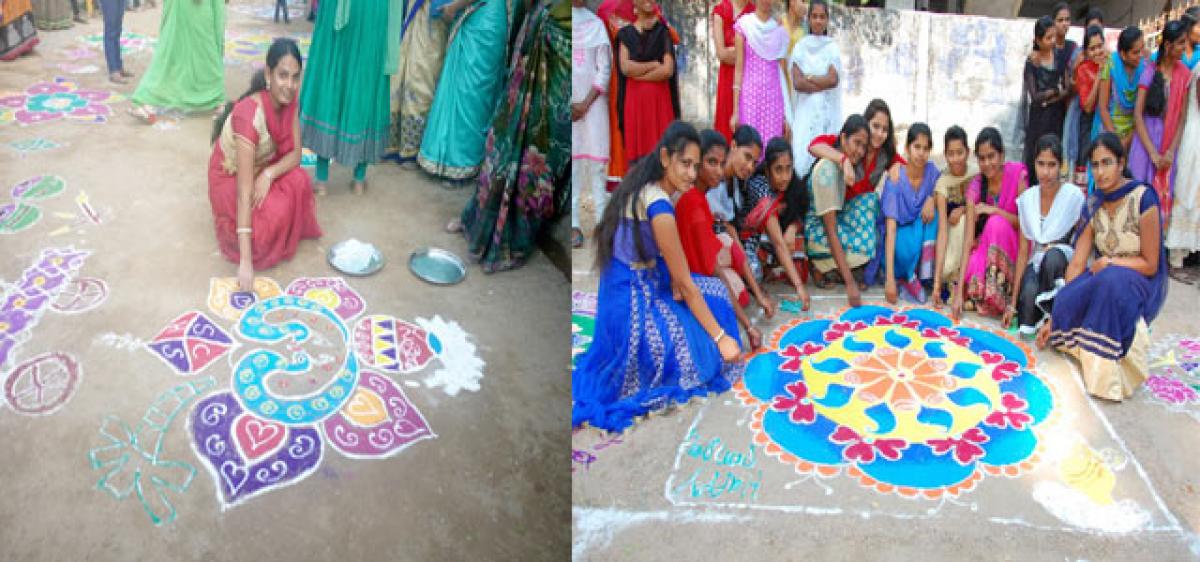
<point x="297" y="388"/>
<point x="25" y="302"/>
<point x="23" y="212"/>
<point x="1174" y="379"/>
<point x="251" y="48"/>
<point x="41" y="385"/>
<point x="228" y="301"/>
<point x="53" y="101"/>
<point x="131" y="458"/>
<point x="332" y="292"/>
<point x="131" y="43"/>
<point x="25" y="147"/>
<point x="190" y="343"/>
<point x="903" y="401"/>
<point x="395" y="346"/>
<point x="583" y="322"/>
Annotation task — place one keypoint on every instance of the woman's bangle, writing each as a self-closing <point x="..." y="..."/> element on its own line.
<point x="717" y="339"/>
<point x="737" y="88"/>
<point x="245" y="230"/>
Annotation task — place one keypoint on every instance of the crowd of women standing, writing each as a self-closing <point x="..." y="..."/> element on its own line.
<point x="1065" y="242"/>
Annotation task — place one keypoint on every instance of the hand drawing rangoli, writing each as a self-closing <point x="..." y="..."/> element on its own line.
<point x="131" y="458"/>
<point x="60" y="99"/>
<point x="22" y="213"/>
<point x="902" y="402"/>
<point x="190" y="343"/>
<point x="41" y="385"/>
<point x="298" y="385"/>
<point x="226" y="300"/>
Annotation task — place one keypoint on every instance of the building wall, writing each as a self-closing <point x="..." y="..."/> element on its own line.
<point x="937" y="68"/>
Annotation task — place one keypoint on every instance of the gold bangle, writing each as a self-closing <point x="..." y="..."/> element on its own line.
<point x="717" y="340"/>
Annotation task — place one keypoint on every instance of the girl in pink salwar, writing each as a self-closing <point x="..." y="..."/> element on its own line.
<point x="987" y="280"/>
<point x="759" y="89"/>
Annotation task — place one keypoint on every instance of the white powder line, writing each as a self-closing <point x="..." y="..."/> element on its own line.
<point x="1077" y="376"/>
<point x="597" y="526"/>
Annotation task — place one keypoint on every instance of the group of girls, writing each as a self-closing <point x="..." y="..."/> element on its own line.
<point x="1150" y="102"/>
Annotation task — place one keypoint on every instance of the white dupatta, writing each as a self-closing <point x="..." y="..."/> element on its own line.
<point x="770" y="40"/>
<point x="818" y="113"/>
<point x="1045" y="233"/>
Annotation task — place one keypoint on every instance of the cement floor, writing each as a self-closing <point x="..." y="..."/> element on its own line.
<point x="659" y="492"/>
<point x="490" y="486"/>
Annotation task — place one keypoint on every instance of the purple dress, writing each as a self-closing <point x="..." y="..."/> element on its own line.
<point x="1139" y="158"/>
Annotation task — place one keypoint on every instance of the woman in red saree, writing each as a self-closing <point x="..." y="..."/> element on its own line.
<point x="616" y="14"/>
<point x="262" y="200"/>
<point x="724" y="15"/>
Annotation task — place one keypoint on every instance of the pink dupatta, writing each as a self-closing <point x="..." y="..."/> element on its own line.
<point x="1176" y="103"/>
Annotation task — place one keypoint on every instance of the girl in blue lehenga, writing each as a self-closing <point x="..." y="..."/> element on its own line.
<point x="650" y="348"/>
<point x="1101" y="317"/>
<point x="910" y="219"/>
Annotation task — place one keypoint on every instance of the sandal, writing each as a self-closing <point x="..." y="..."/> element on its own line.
<point x="143" y="113"/>
<point x="576" y="238"/>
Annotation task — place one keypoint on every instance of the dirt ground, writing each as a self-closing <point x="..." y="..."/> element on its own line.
<point x="691" y="484"/>
<point x="491" y="484"/>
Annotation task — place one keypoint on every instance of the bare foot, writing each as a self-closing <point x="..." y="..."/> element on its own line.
<point x="455" y="226"/>
<point x="319" y="189"/>
<point x="360" y="187"/>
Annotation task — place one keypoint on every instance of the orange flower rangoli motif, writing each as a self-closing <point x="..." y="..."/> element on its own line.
<point x="903" y="379"/>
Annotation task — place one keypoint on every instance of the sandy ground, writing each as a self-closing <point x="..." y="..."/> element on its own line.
<point x="690" y="484"/>
<point x="490" y="486"/>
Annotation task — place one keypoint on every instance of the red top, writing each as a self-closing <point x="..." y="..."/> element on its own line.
<point x="1085" y="79"/>
<point x="695" y="222"/>
<point x="863" y="185"/>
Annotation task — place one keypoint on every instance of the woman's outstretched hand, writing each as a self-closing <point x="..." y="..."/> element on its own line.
<point x="728" y="348"/>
